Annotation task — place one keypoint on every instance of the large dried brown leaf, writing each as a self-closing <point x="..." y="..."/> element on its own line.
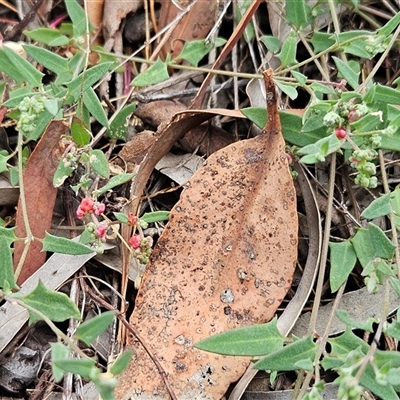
<point x="40" y="197"/>
<point x="225" y="259"/>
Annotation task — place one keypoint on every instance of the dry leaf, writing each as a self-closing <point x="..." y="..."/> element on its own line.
<point x="40" y="197"/>
<point x="194" y="25"/>
<point x="225" y="259"/>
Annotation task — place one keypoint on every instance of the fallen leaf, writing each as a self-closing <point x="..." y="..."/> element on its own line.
<point x="225" y="259"/>
<point x="194" y="25"/>
<point x="40" y="197"/>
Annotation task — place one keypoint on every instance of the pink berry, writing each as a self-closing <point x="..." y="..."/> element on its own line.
<point x="134" y="241"/>
<point x="101" y="230"/>
<point x="340" y="133"/>
<point x="87" y="204"/>
<point x="132" y="219"/>
<point x="80" y="213"/>
<point x="99" y="208"/>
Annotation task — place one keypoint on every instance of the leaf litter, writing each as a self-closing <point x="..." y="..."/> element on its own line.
<point x="225" y="259"/>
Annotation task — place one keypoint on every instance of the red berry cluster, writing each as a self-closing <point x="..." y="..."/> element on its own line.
<point x="89" y="206"/>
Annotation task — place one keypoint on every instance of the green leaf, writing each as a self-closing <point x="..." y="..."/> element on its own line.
<point x="121" y="217"/>
<point x="157" y="73"/>
<point x="354" y="42"/>
<point x="89" y="330"/>
<point x="93" y="104"/>
<point x="18" y="68"/>
<point x="99" y="163"/>
<point x="321" y="41"/>
<point x="118" y="126"/>
<point x="347" y="72"/>
<point x="82" y="367"/>
<point x="271" y="43"/>
<point x="79" y="132"/>
<point x="395" y="205"/>
<point x="371" y="243"/>
<point x="284" y="359"/>
<point x="47" y="36"/>
<point x="287" y="55"/>
<point x="378" y="207"/>
<point x="252" y="340"/>
<point x="78" y="86"/>
<point x="302" y="79"/>
<point x="56" y="306"/>
<point x="386" y="95"/>
<point x="341" y="346"/>
<point x="365" y="326"/>
<point x="78" y="17"/>
<point x="290" y="90"/>
<point x="393" y="330"/>
<point x="41" y="125"/>
<point x="6" y="263"/>
<point x="121" y="362"/>
<point x="113" y="182"/>
<point x="296" y="13"/>
<point x="155" y="216"/>
<point x="4" y="157"/>
<point x="8" y="234"/>
<point x="390" y="26"/>
<point x="61" y="174"/>
<point x="343" y="260"/>
<point x="59" y="353"/>
<point x="195" y="50"/>
<point x="62" y="245"/>
<point x="50" y="60"/>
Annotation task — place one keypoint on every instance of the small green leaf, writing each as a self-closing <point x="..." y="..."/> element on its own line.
<point x="296" y="14"/>
<point x="19" y="68"/>
<point x="287" y="55"/>
<point x="113" y="182"/>
<point x="6" y="263"/>
<point x="119" y="124"/>
<point x="47" y="36"/>
<point x="365" y="326"/>
<point x="4" y="157"/>
<point x="121" y="362"/>
<point x="155" y="216"/>
<point x="56" y="306"/>
<point x="302" y="79"/>
<point x="82" y="367"/>
<point x="79" y="132"/>
<point x="41" y="125"/>
<point x="290" y="90"/>
<point x="94" y="327"/>
<point x="61" y="174"/>
<point x="343" y="260"/>
<point x="8" y="234"/>
<point x="49" y="59"/>
<point x="254" y="340"/>
<point x="78" y="17"/>
<point x="64" y="246"/>
<point x="371" y="243"/>
<point x="378" y="207"/>
<point x="99" y="163"/>
<point x="59" y="353"/>
<point x="347" y="72"/>
<point x="157" y="73"/>
<point x="195" y="50"/>
<point x="271" y="43"/>
<point x="284" y="359"/>
<point x="93" y="104"/>
<point x="121" y="217"/>
<point x="393" y="330"/>
<point x="78" y="86"/>
<point x="321" y="41"/>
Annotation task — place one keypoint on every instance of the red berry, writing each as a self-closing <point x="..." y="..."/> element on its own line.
<point x="80" y="213"/>
<point x="87" y="204"/>
<point x="101" y="230"/>
<point x="134" y="241"/>
<point x="340" y="133"/>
